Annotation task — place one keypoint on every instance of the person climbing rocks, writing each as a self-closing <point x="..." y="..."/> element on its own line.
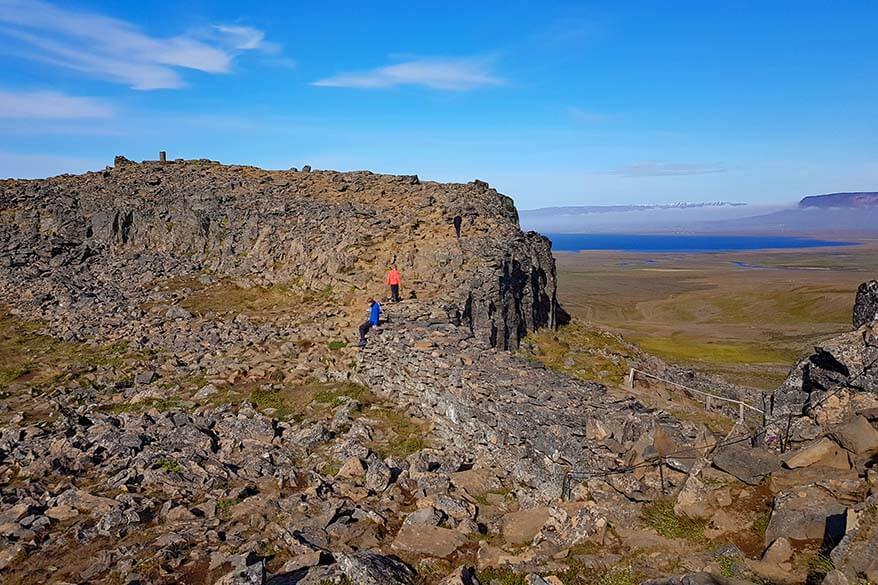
<point x="458" y="221"/>
<point x="393" y="279"/>
<point x="373" y="320"/>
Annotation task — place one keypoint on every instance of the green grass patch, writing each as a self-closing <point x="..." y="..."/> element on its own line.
<point x="660" y="516"/>
<point x="330" y="468"/>
<point x="224" y="506"/>
<point x="334" y="394"/>
<point x="285" y="404"/>
<point x="500" y="576"/>
<point x="582" y="351"/>
<point x="681" y="347"/>
<point x="34" y="359"/>
<point x="337" y="345"/>
<point x="399" y="435"/>
<point x="482" y="498"/>
<point x="257" y="302"/>
<point x="170" y="465"/>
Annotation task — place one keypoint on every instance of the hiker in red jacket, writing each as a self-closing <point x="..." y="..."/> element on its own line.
<point x="394" y="280"/>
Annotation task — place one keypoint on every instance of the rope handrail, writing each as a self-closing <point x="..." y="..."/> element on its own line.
<point x="703" y="393"/>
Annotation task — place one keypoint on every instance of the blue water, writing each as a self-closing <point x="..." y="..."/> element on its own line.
<point x="675" y="243"/>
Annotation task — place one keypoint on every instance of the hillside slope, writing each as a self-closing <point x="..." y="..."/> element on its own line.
<point x="181" y="401"/>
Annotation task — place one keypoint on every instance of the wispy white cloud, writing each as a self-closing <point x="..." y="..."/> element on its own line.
<point x="246" y="38"/>
<point x="449" y="74"/>
<point x="665" y="169"/>
<point x="50" y="104"/>
<point x="113" y="49"/>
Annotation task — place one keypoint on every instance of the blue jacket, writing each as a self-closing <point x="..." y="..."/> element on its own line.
<point x="374" y="314"/>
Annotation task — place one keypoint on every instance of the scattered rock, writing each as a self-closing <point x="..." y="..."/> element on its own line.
<point x="748" y="464"/>
<point x="779" y="551"/>
<point x="430" y="541"/>
<point x="521" y="527"/>
<point x="857" y="435"/>
<point x="371" y="568"/>
<point x="824" y="452"/>
<point x="808" y="513"/>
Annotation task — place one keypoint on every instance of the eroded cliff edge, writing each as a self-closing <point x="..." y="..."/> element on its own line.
<point x="88" y="238"/>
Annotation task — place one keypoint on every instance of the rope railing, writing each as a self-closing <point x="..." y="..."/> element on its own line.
<point x="709" y="398"/>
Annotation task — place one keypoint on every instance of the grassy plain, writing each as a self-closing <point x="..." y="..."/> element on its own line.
<point x="744" y="315"/>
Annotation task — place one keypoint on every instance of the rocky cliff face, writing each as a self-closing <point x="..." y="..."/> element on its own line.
<point x="319" y="229"/>
<point x="839" y="379"/>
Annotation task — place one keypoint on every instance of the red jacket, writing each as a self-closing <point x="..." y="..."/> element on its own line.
<point x="393" y="277"/>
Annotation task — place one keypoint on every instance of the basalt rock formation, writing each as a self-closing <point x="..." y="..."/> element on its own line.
<point x="322" y="229"/>
<point x="866" y="304"/>
<point x="839" y="379"/>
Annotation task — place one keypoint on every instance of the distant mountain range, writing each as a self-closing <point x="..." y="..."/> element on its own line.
<point x="586" y="209"/>
<point x="841" y="200"/>
<point x="834" y="213"/>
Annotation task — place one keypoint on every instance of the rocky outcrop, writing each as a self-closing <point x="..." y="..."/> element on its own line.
<point x="838" y="380"/>
<point x="535" y="422"/>
<point x="866" y="304"/>
<point x="322" y="229"/>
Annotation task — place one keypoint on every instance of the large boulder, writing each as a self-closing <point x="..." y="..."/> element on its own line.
<point x="857" y="435"/>
<point x="808" y="513"/>
<point x="866" y="304"/>
<point x="824" y="452"/>
<point x="748" y="464"/>
<point x="366" y="567"/>
<point x="433" y="541"/>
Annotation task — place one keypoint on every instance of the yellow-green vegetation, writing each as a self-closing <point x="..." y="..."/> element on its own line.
<point x="337" y="345"/>
<point x="282" y="402"/>
<point x="330" y="468"/>
<point x="579" y="574"/>
<point x="170" y="465"/>
<point x="224" y="506"/>
<point x="482" y="498"/>
<point x="576" y="573"/>
<point x="311" y="399"/>
<point x="816" y="564"/>
<point x="399" y="435"/>
<point x="32" y="358"/>
<point x="501" y="576"/>
<point x="686" y="348"/>
<point x="712" y="313"/>
<point x="728" y="566"/>
<point x="583" y="351"/>
<point x="660" y="516"/>
<point x="334" y="394"/>
<point x="760" y="523"/>
<point x="716" y="422"/>
<point x="256" y="302"/>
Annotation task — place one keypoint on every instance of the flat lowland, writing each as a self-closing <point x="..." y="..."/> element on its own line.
<point x="744" y="315"/>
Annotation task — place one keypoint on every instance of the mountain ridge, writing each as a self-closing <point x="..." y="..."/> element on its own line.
<point x="841" y="200"/>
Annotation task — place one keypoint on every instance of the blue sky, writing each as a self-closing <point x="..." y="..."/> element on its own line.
<point x="552" y="103"/>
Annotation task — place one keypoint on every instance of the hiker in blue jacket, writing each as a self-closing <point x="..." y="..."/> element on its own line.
<point x="373" y="321"/>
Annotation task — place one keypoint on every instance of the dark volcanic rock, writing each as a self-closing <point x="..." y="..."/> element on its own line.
<point x="866" y="305"/>
<point x="200" y="216"/>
